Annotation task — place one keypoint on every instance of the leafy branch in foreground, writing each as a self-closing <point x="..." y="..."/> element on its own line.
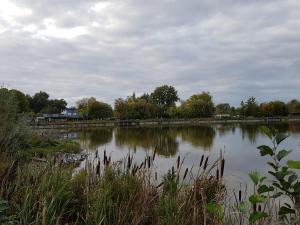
<point x="284" y="185"/>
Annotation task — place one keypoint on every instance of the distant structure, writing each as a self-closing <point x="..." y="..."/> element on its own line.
<point x="222" y="116"/>
<point x="68" y="114"/>
<point x="71" y="113"/>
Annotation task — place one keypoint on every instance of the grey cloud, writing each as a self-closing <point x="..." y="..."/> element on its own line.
<point x="234" y="49"/>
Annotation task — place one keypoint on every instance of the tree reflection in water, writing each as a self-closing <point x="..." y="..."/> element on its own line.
<point x="198" y="136"/>
<point x="162" y="139"/>
<point x="166" y="140"/>
<point x="92" y="139"/>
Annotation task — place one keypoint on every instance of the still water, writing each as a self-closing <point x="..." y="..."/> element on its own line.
<point x="238" y="141"/>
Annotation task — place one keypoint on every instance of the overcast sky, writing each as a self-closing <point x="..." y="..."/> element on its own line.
<point x="108" y="49"/>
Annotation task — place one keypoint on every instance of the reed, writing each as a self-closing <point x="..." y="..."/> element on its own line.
<point x="122" y="192"/>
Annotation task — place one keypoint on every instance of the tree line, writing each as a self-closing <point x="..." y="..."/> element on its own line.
<point x="163" y="102"/>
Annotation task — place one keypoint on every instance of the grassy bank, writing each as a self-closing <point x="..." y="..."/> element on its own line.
<point x="43" y="146"/>
<point x="153" y="122"/>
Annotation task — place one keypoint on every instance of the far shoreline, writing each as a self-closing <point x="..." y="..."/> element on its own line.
<point x="155" y="122"/>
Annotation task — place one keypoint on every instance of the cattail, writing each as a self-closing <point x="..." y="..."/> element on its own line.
<point x="155" y="175"/>
<point x="109" y="159"/>
<point x="185" y="173"/>
<point x="173" y="171"/>
<point x="206" y="163"/>
<point x="134" y="170"/>
<point x="149" y="162"/>
<point x="104" y="158"/>
<point x="222" y="167"/>
<point x="158" y="186"/>
<point x="96" y="154"/>
<point x="98" y="168"/>
<point x="240" y="195"/>
<point x="254" y="207"/>
<point x="201" y="161"/>
<point x="54" y="161"/>
<point x="128" y="163"/>
<point x="259" y="208"/>
<point x="154" y="154"/>
<point x="145" y="163"/>
<point x="218" y="174"/>
<point x="178" y="162"/>
<point x="141" y="165"/>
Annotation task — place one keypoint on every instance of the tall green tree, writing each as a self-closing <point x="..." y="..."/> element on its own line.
<point x="165" y="96"/>
<point x="99" y="110"/>
<point x="38" y="101"/>
<point x="294" y="107"/>
<point x="55" y="106"/>
<point x="21" y="100"/>
<point x="14" y="134"/>
<point x="135" y="108"/>
<point x="252" y="107"/>
<point x="200" y="105"/>
<point x="274" y="108"/>
<point x="223" y="108"/>
<point x="83" y="106"/>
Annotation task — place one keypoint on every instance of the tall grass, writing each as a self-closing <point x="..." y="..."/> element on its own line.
<point x="113" y="193"/>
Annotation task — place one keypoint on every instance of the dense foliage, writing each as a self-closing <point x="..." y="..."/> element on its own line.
<point x="90" y="108"/>
<point x="14" y="133"/>
<point x="276" y="198"/>
<point x="38" y="103"/>
<point x="162" y="102"/>
<point x="200" y="105"/>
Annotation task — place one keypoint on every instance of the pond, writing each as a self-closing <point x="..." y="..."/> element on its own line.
<point x="238" y="142"/>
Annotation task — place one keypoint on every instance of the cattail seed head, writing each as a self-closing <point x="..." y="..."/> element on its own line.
<point x="201" y="161"/>
<point x="141" y="165"/>
<point x="185" y="173"/>
<point x="128" y="162"/>
<point x="259" y="208"/>
<point x="178" y="162"/>
<point x="222" y="167"/>
<point x="98" y="168"/>
<point x="206" y="163"/>
<point x="154" y="154"/>
<point x="149" y="162"/>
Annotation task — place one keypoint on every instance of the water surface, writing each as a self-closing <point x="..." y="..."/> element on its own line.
<point x="238" y="141"/>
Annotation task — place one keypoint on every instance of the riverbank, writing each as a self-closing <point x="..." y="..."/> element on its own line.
<point x="153" y="122"/>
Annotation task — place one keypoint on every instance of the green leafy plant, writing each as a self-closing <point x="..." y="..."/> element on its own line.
<point x="285" y="182"/>
<point x="259" y="197"/>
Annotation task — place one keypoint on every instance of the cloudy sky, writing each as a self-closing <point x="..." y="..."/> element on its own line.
<point x="108" y="49"/>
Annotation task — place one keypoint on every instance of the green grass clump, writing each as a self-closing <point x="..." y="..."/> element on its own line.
<point x="44" y="146"/>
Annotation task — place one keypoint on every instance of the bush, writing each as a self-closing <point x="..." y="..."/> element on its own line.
<point x="14" y="134"/>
